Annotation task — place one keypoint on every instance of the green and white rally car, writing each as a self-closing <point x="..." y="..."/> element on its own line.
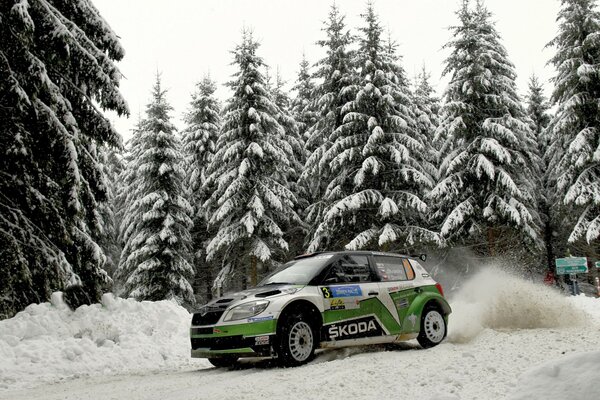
<point x="323" y="300"/>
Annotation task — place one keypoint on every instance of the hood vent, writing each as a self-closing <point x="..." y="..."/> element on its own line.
<point x="267" y="294"/>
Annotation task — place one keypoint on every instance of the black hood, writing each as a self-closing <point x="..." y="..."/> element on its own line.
<point x="211" y="312"/>
<point x="260" y="292"/>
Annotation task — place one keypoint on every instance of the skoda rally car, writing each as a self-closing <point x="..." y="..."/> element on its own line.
<point x="323" y="300"/>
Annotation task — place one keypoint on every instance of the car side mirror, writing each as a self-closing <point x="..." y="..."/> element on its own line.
<point x="423" y="257"/>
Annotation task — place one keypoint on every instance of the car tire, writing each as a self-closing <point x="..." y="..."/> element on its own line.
<point x="433" y="328"/>
<point x="223" y="362"/>
<point x="296" y="340"/>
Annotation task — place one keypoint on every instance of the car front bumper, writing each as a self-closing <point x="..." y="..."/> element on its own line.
<point x="251" y="339"/>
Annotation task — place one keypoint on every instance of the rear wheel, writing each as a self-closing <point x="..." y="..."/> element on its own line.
<point x="223" y="362"/>
<point x="433" y="328"/>
<point x="296" y="340"/>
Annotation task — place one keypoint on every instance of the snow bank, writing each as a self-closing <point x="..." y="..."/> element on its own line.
<point x="494" y="299"/>
<point x="48" y="342"/>
<point x="589" y="305"/>
<point x="571" y="377"/>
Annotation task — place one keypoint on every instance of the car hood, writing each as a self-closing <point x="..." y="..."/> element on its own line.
<point x="256" y="293"/>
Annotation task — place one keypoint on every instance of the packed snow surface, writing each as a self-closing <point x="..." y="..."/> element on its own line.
<point x="508" y="339"/>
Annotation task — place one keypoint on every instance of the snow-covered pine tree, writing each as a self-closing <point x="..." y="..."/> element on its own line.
<point x="111" y="210"/>
<point x="575" y="128"/>
<point x="537" y="110"/>
<point x="427" y="108"/>
<point x="294" y="233"/>
<point x="252" y="200"/>
<point x="303" y="104"/>
<point x="376" y="175"/>
<point x="290" y="126"/>
<point x="155" y="229"/>
<point x="56" y="70"/>
<point x="199" y="145"/>
<point x="336" y="76"/>
<point x="488" y="176"/>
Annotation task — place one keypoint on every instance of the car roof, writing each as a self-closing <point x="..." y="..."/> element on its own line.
<point x="356" y="252"/>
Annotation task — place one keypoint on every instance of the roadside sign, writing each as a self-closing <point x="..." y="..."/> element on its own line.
<point x="571" y="265"/>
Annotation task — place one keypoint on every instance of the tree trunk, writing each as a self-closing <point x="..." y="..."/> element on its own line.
<point x="253" y="271"/>
<point x="548" y="239"/>
<point x="491" y="236"/>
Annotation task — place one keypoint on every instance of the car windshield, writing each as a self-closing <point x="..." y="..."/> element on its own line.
<point x="297" y="272"/>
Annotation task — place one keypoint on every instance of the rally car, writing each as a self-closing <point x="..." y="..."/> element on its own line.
<point x="323" y="300"/>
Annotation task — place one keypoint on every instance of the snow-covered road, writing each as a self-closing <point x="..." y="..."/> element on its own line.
<point x="488" y="355"/>
<point x="487" y="368"/>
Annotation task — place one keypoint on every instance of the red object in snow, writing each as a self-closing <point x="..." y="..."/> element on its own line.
<point x="549" y="279"/>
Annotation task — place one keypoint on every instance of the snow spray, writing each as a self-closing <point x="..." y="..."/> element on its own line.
<point x="495" y="299"/>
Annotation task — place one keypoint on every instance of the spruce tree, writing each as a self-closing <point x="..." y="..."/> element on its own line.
<point x="111" y="211"/>
<point x="252" y="200"/>
<point x="427" y="109"/>
<point x="537" y="110"/>
<point x="291" y="128"/>
<point x="575" y="129"/>
<point x="199" y="145"/>
<point x="303" y="105"/>
<point x="376" y="176"/>
<point x="294" y="233"/>
<point x="154" y="263"/>
<point x="336" y="75"/>
<point x="56" y="70"/>
<point x="487" y="176"/>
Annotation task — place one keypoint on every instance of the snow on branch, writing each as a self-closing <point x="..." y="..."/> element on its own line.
<point x="483" y="165"/>
<point x="362" y="239"/>
<point x="457" y="217"/>
<point x="354" y="202"/>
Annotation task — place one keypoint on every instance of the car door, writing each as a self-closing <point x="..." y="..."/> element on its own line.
<point x="397" y="290"/>
<point x="350" y="298"/>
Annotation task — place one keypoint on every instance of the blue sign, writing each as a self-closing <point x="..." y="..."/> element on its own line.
<point x="345" y="291"/>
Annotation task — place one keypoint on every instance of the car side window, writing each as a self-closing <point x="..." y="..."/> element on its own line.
<point x="410" y="273"/>
<point x="349" y="269"/>
<point x="394" y="268"/>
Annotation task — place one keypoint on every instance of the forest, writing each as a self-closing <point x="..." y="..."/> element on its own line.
<point x="358" y="155"/>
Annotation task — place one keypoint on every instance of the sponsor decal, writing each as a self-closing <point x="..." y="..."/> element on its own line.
<point x="259" y="319"/>
<point x="337" y="304"/>
<point x="402" y="303"/>
<point x="261" y="340"/>
<point x="216" y="330"/>
<point x="341" y="291"/>
<point x="399" y="287"/>
<point x="413" y="319"/>
<point x="358" y="328"/>
<point x="425" y="275"/>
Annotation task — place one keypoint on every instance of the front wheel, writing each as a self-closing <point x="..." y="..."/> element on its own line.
<point x="223" y="362"/>
<point x="433" y="328"/>
<point x="296" y="340"/>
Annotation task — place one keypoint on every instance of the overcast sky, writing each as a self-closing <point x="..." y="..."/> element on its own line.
<point x="184" y="39"/>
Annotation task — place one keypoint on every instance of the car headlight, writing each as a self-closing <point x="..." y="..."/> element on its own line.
<point x="246" y="310"/>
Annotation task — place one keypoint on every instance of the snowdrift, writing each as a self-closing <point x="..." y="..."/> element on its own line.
<point x="571" y="377"/>
<point x="48" y="342"/>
